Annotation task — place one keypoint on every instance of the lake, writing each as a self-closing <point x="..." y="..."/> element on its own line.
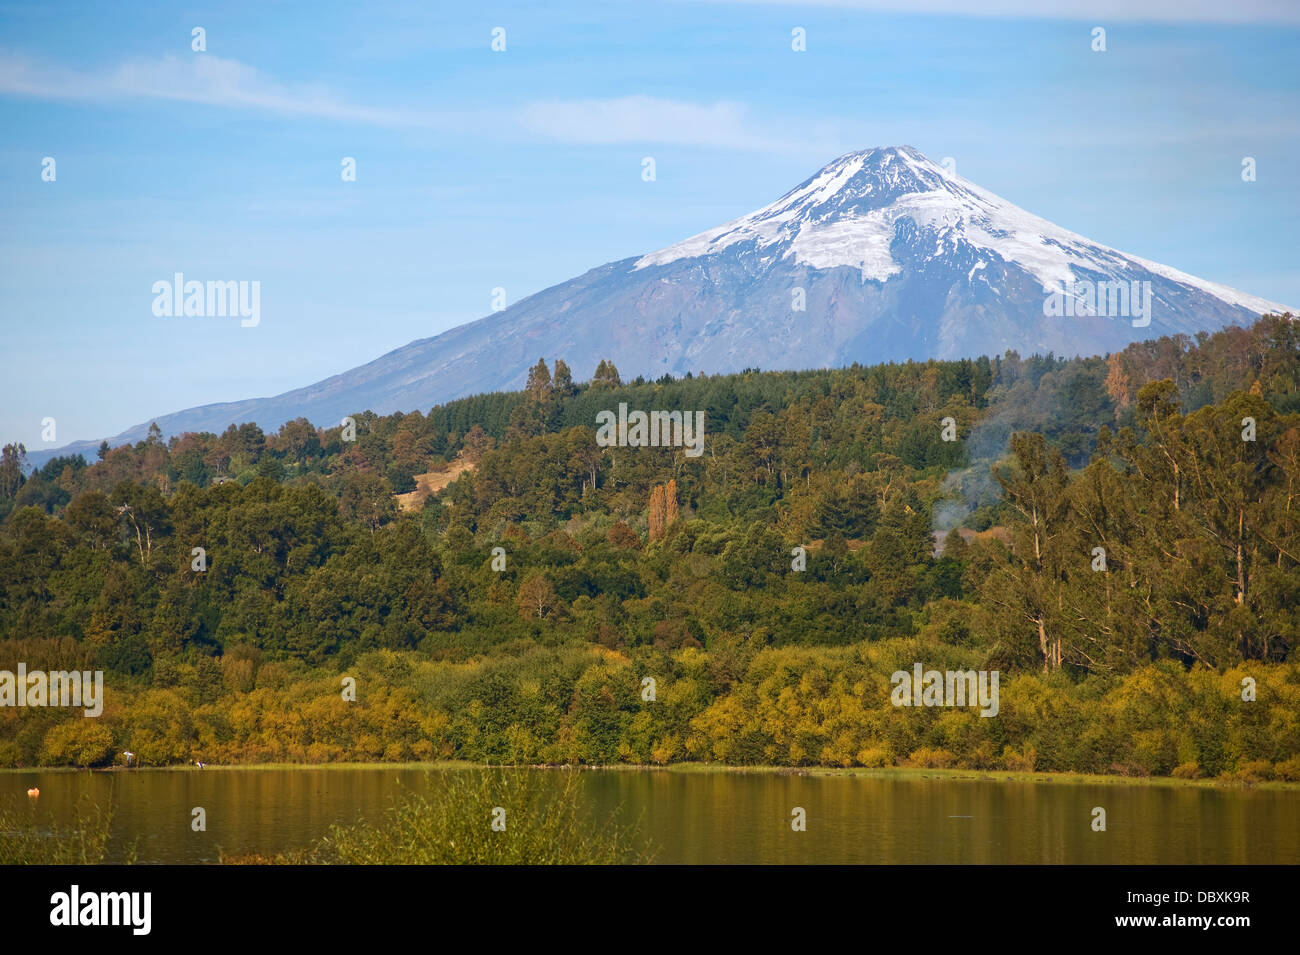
<point x="718" y="817"/>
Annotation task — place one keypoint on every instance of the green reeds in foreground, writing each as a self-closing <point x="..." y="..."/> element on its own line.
<point x="544" y="825"/>
<point x="27" y="837"/>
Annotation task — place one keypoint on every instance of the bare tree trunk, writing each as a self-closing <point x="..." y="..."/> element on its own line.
<point x="1042" y="642"/>
<point x="1241" y="570"/>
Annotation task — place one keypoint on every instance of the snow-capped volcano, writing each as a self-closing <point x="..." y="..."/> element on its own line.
<point x="847" y="216"/>
<point x="883" y="255"/>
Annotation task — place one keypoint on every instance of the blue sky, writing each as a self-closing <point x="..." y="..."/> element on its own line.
<point x="520" y="169"/>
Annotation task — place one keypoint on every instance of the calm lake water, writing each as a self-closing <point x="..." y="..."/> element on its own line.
<point x="717" y="817"/>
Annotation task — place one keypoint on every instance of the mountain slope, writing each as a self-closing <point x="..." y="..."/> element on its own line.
<point x="894" y="258"/>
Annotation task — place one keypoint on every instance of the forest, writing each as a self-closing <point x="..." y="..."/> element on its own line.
<point x="1118" y="536"/>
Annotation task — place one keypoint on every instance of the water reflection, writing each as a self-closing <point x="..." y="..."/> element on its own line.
<point x="700" y="817"/>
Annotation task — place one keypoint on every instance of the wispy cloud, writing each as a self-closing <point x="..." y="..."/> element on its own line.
<point x="207" y="79"/>
<point x="646" y="119"/>
<point x="214" y="81"/>
<point x="1093" y="11"/>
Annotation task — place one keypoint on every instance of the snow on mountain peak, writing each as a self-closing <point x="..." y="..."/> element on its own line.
<point x="846" y="215"/>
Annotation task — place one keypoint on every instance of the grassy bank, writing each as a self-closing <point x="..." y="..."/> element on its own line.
<point x="976" y="775"/>
<point x="893" y="772"/>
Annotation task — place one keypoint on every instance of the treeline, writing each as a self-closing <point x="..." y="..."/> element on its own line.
<point x="1094" y="520"/>
<point x="736" y="704"/>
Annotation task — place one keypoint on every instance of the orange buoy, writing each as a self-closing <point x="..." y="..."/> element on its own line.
<point x="33" y="792"/>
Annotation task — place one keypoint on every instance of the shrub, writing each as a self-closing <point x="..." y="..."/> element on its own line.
<point x="543" y="826"/>
<point x="1288" y="770"/>
<point x="78" y="742"/>
<point x="1252" y="771"/>
<point x="928" y="757"/>
<point x="875" y="757"/>
<point x="1016" y="762"/>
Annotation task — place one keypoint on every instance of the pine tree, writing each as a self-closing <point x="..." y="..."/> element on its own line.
<point x="539" y="381"/>
<point x="562" y="383"/>
<point x="13" y="469"/>
<point x="606" y="375"/>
